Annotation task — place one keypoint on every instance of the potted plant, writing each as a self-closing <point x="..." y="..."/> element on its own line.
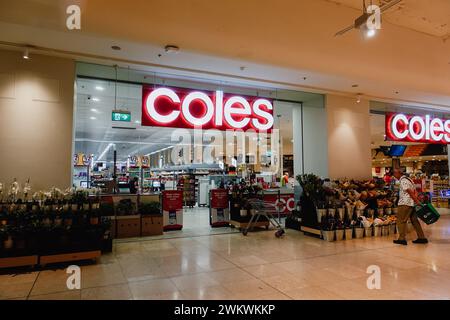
<point x="358" y="228"/>
<point x="67" y="216"/>
<point x="94" y="216"/>
<point x="314" y="192"/>
<point x="6" y="233"/>
<point x="328" y="228"/>
<point x="128" y="224"/>
<point x="106" y="209"/>
<point x="124" y="207"/>
<point x="58" y="220"/>
<point x="348" y="232"/>
<point x="151" y="218"/>
<point x="340" y="230"/>
<point x="150" y="208"/>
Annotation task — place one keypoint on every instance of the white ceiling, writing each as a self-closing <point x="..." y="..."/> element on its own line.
<point x="429" y="17"/>
<point x="287" y="43"/>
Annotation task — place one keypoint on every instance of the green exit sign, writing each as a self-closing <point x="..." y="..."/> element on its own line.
<point x="121" y="116"/>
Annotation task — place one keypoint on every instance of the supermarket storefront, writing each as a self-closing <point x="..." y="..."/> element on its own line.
<point x="142" y="133"/>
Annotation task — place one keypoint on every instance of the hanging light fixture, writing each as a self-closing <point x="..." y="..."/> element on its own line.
<point x="26" y="54"/>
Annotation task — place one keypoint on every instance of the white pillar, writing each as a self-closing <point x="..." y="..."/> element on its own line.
<point x="297" y="135"/>
<point x="448" y="152"/>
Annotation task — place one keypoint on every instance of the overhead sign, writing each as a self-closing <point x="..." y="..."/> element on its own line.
<point x="415" y="128"/>
<point x="121" y="116"/>
<point x="186" y="108"/>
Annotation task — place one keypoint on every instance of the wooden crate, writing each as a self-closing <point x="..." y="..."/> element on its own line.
<point x="13" y="262"/>
<point x="65" y="257"/>
<point x="128" y="226"/>
<point x="312" y="231"/>
<point x="151" y="226"/>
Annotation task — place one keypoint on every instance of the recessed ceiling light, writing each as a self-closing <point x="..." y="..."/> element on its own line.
<point x="99" y="88"/>
<point x="171" y="48"/>
<point x="94" y="110"/>
<point x="95" y="99"/>
<point x="93" y="118"/>
<point x="116" y="47"/>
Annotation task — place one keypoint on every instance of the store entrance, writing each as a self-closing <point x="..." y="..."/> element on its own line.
<point x="427" y="163"/>
<point x="137" y="168"/>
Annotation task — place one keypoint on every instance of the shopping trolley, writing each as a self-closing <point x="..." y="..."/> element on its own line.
<point x="264" y="209"/>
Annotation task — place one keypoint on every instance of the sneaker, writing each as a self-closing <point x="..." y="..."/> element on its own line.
<point x="421" y="241"/>
<point x="402" y="242"/>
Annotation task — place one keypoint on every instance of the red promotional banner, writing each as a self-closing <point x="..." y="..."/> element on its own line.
<point x="187" y="108"/>
<point x="286" y="203"/>
<point x="219" y="199"/>
<point x="172" y="200"/>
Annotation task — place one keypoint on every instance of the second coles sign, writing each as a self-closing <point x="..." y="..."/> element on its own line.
<point x="187" y="108"/>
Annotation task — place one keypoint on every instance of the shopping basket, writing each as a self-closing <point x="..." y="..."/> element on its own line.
<point x="427" y="213"/>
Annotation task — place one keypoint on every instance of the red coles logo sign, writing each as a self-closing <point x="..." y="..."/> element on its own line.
<point x="413" y="128"/>
<point x="187" y="108"/>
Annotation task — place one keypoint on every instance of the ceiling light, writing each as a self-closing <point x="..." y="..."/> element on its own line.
<point x="371" y="33"/>
<point x="116" y="47"/>
<point x="94" y="110"/>
<point x="105" y="151"/>
<point x="99" y="88"/>
<point x="26" y="54"/>
<point x="96" y="99"/>
<point x="171" y="48"/>
<point x="137" y="121"/>
<point x="93" y="118"/>
<point x="358" y="98"/>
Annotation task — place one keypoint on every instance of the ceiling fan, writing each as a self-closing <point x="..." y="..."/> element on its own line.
<point x="361" y="21"/>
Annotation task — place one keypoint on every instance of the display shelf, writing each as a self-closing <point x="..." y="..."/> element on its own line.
<point x="67" y="257"/>
<point x="21" y="261"/>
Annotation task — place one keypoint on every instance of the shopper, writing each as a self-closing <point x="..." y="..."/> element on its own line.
<point x="387" y="178"/>
<point x="406" y="209"/>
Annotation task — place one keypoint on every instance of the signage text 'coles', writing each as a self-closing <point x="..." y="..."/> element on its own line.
<point x="413" y="128"/>
<point x="184" y="108"/>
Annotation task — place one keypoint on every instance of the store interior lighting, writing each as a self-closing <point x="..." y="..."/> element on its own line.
<point x="26" y="54"/>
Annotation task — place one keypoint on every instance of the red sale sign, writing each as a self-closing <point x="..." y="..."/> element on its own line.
<point x="219" y="199"/>
<point x="187" y="108"/>
<point x="172" y="200"/>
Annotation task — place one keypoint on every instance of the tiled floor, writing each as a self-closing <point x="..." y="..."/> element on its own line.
<point x="259" y="266"/>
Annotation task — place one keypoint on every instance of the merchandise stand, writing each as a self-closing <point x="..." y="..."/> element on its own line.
<point x="172" y="204"/>
<point x="219" y="210"/>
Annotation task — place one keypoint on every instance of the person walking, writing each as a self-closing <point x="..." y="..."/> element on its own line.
<point x="406" y="209"/>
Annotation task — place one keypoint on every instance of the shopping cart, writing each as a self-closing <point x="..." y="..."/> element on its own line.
<point x="264" y="209"/>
